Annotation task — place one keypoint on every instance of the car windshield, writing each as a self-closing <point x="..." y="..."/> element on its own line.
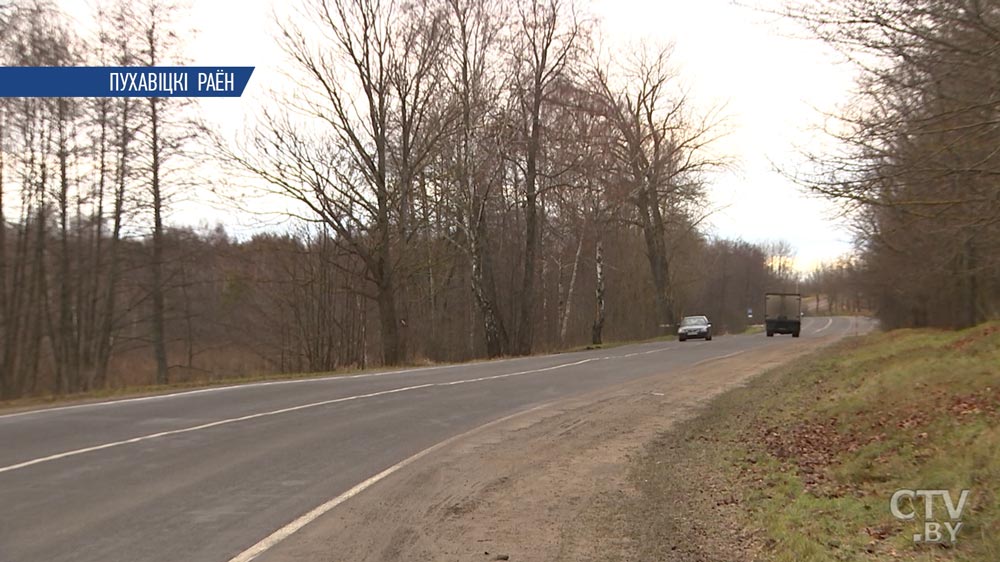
<point x="694" y="321"/>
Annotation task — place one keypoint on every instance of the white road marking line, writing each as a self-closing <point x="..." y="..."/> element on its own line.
<point x="281" y="382"/>
<point x="202" y="426"/>
<point x="519" y="373"/>
<point x="281" y="534"/>
<point x="829" y="321"/>
<point x="218" y="423"/>
<point x="227" y="387"/>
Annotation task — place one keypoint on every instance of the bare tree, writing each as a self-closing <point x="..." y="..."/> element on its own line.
<point x="473" y="52"/>
<point x="547" y="41"/>
<point x="375" y="92"/>
<point x="41" y="129"/>
<point x="449" y="165"/>
<point x="661" y="153"/>
<point x="116" y="134"/>
<point x="159" y="44"/>
<point x="919" y="160"/>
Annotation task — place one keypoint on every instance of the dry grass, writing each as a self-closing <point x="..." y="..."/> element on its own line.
<point x="811" y="453"/>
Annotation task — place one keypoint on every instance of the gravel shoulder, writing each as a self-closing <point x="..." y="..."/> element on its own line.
<point x="560" y="482"/>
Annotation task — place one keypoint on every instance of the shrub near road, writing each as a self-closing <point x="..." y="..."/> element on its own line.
<point x="806" y="458"/>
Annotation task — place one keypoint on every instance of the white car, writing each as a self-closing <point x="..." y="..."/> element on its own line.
<point x="695" y="327"/>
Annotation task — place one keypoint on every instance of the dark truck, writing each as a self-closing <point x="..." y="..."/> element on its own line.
<point x="782" y="313"/>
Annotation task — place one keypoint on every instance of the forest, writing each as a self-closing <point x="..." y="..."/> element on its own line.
<point x="461" y="179"/>
<point x="919" y="155"/>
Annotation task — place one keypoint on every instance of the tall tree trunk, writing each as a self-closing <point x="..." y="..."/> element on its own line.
<point x="106" y="337"/>
<point x="597" y="331"/>
<point x="93" y="340"/>
<point x="525" y="330"/>
<point x="38" y="297"/>
<point x="17" y="317"/>
<point x="392" y="344"/>
<point x="66" y="358"/>
<point x="156" y="272"/>
<point x="5" y="390"/>
<point x="484" y="291"/>
<point x="568" y="307"/>
<point x="653" y="234"/>
<point x="474" y="182"/>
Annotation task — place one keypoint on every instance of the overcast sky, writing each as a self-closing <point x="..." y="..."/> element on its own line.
<point x="774" y="88"/>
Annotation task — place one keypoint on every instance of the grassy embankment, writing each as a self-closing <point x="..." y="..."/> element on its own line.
<point x="801" y="463"/>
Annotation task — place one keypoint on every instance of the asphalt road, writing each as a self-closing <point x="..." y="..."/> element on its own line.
<point x="204" y="475"/>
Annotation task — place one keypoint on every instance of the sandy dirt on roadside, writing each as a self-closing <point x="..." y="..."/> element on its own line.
<point x="545" y="485"/>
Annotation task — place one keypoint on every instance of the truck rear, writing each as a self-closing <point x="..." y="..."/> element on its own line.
<point x="782" y="313"/>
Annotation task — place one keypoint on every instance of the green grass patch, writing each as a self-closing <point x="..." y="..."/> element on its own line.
<point x="814" y="450"/>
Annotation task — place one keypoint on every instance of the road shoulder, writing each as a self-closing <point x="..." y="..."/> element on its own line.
<point x="552" y="484"/>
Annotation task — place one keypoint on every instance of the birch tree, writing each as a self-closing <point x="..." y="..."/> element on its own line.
<point x="548" y="37"/>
